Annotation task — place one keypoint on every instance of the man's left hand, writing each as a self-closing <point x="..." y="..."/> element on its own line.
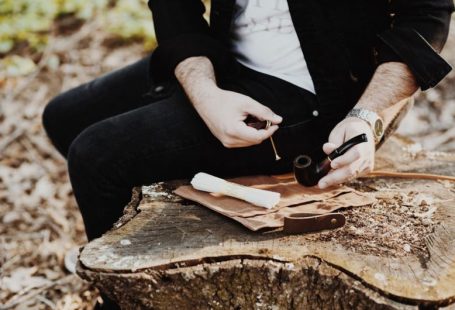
<point x="358" y="160"/>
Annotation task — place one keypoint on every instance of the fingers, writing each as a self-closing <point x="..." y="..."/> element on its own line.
<point x="244" y="135"/>
<point x="337" y="137"/>
<point x="347" y="172"/>
<point x="355" y="161"/>
<point x="341" y="175"/>
<point x="253" y="135"/>
<point x="328" y="147"/>
<point x="351" y="156"/>
<point x="262" y="112"/>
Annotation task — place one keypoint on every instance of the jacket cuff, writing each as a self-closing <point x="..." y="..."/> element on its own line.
<point x="408" y="46"/>
<point x="171" y="52"/>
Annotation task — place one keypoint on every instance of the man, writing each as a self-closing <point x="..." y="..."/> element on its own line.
<point x="320" y="71"/>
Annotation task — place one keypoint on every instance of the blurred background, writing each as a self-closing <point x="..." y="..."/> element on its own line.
<point x="48" y="46"/>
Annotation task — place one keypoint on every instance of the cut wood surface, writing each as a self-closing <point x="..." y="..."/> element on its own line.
<point x="398" y="253"/>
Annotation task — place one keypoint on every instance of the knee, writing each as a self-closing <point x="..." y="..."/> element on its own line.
<point x="51" y="115"/>
<point x="83" y="152"/>
<point x="64" y="116"/>
<point x="91" y="153"/>
<point x="56" y="120"/>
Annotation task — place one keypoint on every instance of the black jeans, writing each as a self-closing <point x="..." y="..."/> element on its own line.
<point x="123" y="130"/>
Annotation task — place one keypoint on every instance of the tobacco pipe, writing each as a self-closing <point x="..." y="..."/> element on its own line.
<point x="308" y="173"/>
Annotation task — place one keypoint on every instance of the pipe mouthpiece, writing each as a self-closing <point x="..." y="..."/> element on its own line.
<point x="342" y="149"/>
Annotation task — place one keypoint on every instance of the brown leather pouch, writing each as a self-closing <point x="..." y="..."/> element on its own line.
<point x="301" y="209"/>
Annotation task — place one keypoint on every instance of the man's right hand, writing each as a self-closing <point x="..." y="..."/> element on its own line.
<point x="224" y="112"/>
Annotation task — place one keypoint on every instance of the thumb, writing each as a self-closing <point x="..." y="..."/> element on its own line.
<point x="262" y="112"/>
<point x="328" y="147"/>
<point x="336" y="137"/>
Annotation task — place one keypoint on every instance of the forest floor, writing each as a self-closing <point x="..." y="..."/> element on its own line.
<point x="39" y="219"/>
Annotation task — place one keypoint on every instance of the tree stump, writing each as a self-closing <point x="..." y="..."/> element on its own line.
<point x="399" y="253"/>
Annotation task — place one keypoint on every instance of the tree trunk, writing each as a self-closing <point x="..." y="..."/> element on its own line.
<point x="398" y="253"/>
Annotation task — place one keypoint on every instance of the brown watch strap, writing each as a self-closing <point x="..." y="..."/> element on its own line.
<point x="309" y="222"/>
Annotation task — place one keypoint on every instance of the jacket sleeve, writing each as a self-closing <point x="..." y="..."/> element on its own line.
<point x="182" y="32"/>
<point x="416" y="36"/>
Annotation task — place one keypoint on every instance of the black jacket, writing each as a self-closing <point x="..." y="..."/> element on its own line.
<point x="343" y="41"/>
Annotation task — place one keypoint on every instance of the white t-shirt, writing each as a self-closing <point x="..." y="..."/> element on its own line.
<point x="264" y="39"/>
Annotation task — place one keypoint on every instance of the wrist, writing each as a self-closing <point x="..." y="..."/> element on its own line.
<point x="360" y="122"/>
<point x="373" y="119"/>
<point x="198" y="84"/>
<point x="202" y="93"/>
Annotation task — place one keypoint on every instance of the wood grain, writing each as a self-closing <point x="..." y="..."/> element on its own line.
<point x="175" y="248"/>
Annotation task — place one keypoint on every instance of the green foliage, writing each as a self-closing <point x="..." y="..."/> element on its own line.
<point x="16" y="66"/>
<point x="131" y="20"/>
<point x="30" y="21"/>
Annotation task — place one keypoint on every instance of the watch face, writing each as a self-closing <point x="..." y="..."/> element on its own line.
<point x="378" y="128"/>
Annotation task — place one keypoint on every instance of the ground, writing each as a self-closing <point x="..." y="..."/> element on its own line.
<point x="39" y="219"/>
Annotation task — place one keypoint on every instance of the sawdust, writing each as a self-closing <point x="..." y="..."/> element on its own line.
<point x="397" y="225"/>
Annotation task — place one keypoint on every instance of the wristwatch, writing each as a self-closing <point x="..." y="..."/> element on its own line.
<point x="372" y="118"/>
